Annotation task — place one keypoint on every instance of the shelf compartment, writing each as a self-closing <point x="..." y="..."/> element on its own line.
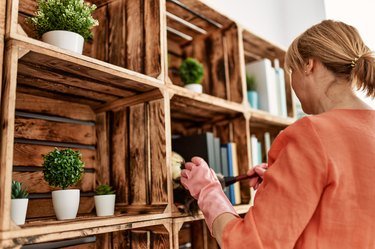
<point x="195" y="30"/>
<point x="120" y="131"/>
<point x="125" y="148"/>
<point x="192" y="231"/>
<point x="264" y="120"/>
<point x="117" y="228"/>
<point x="201" y="113"/>
<point x="52" y="74"/>
<point x="256" y="48"/>
<point x="120" y="38"/>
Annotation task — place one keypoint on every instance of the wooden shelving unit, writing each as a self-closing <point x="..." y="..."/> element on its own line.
<point x="120" y="103"/>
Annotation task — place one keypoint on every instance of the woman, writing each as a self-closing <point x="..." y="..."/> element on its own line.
<point x="318" y="189"/>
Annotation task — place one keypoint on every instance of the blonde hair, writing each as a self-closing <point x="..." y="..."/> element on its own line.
<point x="341" y="50"/>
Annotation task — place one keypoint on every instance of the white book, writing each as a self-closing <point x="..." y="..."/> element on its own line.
<point x="280" y="89"/>
<point x="265" y="77"/>
<point x="237" y="189"/>
<point x="267" y="143"/>
<point x="254" y="150"/>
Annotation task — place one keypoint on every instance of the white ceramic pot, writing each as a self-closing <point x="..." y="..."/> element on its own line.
<point x="195" y="87"/>
<point x="18" y="210"/>
<point x="64" y="39"/>
<point x="105" y="204"/>
<point x="66" y="203"/>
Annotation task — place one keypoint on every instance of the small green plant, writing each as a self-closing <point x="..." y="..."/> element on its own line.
<point x="62" y="168"/>
<point x="68" y="15"/>
<point x="250" y="82"/>
<point x="18" y="192"/>
<point x="104" y="189"/>
<point x="191" y="71"/>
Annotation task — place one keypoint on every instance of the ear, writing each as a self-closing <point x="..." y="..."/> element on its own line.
<point x="309" y="66"/>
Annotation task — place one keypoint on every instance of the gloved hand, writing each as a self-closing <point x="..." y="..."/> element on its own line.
<point x="260" y="170"/>
<point x="203" y="185"/>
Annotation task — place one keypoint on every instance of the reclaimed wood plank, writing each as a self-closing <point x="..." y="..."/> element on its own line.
<point x="135" y="45"/>
<point x="26" y="27"/>
<point x="8" y="102"/>
<point x="37" y="129"/>
<point x="119" y="155"/>
<point x="159" y="239"/>
<point x="140" y="239"/>
<point x="34" y="182"/>
<point x="121" y="240"/>
<point x="234" y="66"/>
<point x="98" y="46"/>
<point x="202" y="10"/>
<point x="39" y="208"/>
<point x="32" y="103"/>
<point x="239" y="127"/>
<point x="198" y="238"/>
<point x="214" y="48"/>
<point x="91" y="70"/>
<point x="117" y="33"/>
<point x="59" y="77"/>
<point x="103" y="241"/>
<point x="31" y="155"/>
<point x="28" y="7"/>
<point x="138" y="193"/>
<point x="2" y="20"/>
<point x="133" y="100"/>
<point x="159" y="191"/>
<point x="65" y="89"/>
<point x="197" y="50"/>
<point x="152" y="42"/>
<point x="102" y="149"/>
<point x="57" y="95"/>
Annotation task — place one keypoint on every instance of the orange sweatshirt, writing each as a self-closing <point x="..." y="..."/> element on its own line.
<point x="319" y="189"/>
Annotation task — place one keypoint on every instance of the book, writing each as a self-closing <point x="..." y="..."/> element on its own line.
<point x="255" y="160"/>
<point x="267" y="143"/>
<point x="234" y="190"/>
<point x="266" y="84"/>
<point x="217" y="165"/>
<point x="280" y="89"/>
<point x="201" y="145"/>
<point x="224" y="166"/>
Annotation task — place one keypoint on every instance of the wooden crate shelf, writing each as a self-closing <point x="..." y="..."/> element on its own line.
<point x="42" y="232"/>
<point x="79" y="78"/>
<point x="195" y="30"/>
<point x="119" y="38"/>
<point x="256" y="48"/>
<point x="120" y="104"/>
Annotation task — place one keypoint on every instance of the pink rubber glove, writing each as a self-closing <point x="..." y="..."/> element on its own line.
<point x="260" y="170"/>
<point x="203" y="185"/>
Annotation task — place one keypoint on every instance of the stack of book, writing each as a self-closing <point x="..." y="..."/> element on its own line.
<point x="222" y="158"/>
<point x="270" y="86"/>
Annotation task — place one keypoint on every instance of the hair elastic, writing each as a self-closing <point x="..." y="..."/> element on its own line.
<point x="353" y="63"/>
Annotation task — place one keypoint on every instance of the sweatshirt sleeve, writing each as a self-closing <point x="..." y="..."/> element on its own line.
<point x="289" y="194"/>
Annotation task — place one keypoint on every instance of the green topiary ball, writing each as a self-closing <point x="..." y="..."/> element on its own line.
<point x="62" y="168"/>
<point x="191" y="71"/>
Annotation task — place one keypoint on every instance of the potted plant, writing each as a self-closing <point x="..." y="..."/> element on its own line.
<point x="18" y="203"/>
<point x="191" y="74"/>
<point x="64" y="168"/>
<point x="252" y="94"/>
<point x="64" y="23"/>
<point x="104" y="200"/>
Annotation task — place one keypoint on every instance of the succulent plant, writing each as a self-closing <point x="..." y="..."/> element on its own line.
<point x="104" y="189"/>
<point x="18" y="192"/>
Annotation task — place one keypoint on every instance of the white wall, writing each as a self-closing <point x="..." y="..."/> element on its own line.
<point x="278" y="21"/>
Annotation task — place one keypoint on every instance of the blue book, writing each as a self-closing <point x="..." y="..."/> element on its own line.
<point x="230" y="173"/>
<point x="224" y="166"/>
